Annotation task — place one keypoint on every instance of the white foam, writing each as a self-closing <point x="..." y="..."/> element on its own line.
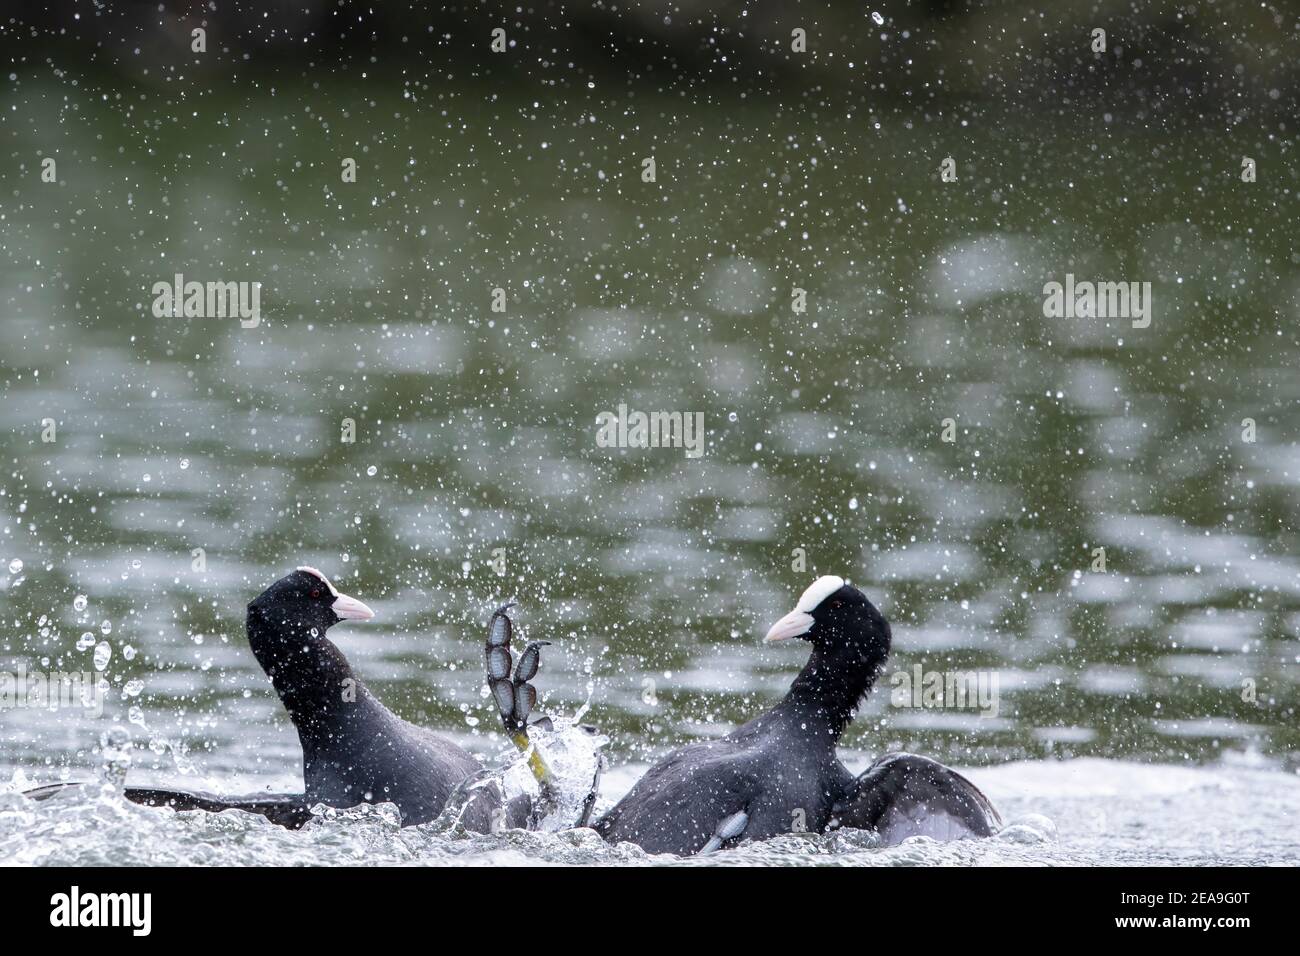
<point x="818" y="591"/>
<point x="333" y="590"/>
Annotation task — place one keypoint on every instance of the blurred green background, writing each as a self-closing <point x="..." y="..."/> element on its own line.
<point x="656" y="574"/>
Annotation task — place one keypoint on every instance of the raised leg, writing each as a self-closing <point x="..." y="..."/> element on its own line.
<point x="515" y="697"/>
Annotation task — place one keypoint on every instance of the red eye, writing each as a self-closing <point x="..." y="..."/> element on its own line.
<point x="316" y="593"/>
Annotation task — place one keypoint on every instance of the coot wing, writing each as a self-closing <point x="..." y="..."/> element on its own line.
<point x="694" y="800"/>
<point x="289" y="810"/>
<point x="902" y="795"/>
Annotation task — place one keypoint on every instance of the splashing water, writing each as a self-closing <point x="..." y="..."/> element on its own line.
<point x="1103" y="809"/>
<point x="573" y="752"/>
<point x="115" y="750"/>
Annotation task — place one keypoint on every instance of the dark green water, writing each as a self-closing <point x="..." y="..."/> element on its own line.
<point x="655" y="574"/>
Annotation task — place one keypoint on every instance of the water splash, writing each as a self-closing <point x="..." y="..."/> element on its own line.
<point x="115" y="748"/>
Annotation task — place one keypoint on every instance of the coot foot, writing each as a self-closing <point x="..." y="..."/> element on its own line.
<point x="515" y="697"/>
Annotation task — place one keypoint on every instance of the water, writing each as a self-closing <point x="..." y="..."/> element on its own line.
<point x="196" y="461"/>
<point x="1059" y="813"/>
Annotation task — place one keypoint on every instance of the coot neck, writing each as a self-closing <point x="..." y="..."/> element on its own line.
<point x="825" y="695"/>
<point x="313" y="678"/>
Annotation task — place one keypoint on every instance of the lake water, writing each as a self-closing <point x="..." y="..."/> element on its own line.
<point x="1171" y="676"/>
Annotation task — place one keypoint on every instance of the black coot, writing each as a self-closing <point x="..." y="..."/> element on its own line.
<point x="779" y="773"/>
<point x="355" y="750"/>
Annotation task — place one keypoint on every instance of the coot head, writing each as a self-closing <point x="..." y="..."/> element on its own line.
<point x="832" y="615"/>
<point x="305" y="601"/>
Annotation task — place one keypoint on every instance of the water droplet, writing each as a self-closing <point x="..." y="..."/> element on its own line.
<point x="16" y="566"/>
<point x="185" y="463"/>
<point x="86" y="641"/>
<point x="880" y="20"/>
<point x="133" y="687"/>
<point x="733" y="417"/>
<point x="372" y="471"/>
<point x="79" y="602"/>
<point x="106" y="627"/>
<point x="128" y="652"/>
<point x="115" y="746"/>
<point x="103" y="654"/>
